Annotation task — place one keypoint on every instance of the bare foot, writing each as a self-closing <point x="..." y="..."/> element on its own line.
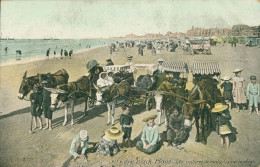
<point x="34" y="127"/>
<point x="238" y="110"/>
<point x="40" y="128"/>
<point x="50" y="129"/>
<point x="250" y="113"/>
<point x="45" y="128"/>
<point x="258" y="114"/>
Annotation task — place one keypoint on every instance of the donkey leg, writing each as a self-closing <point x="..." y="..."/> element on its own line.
<point x="159" y="117"/>
<point x="165" y="118"/>
<point x="113" y="113"/>
<point x="108" y="114"/>
<point x="72" y="112"/>
<point x="65" y="114"/>
<point x="86" y="107"/>
<point x="197" y="128"/>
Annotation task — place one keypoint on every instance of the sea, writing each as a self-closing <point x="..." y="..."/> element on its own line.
<point x="35" y="49"/>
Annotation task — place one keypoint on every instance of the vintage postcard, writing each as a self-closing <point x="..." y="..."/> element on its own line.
<point x="129" y="83"/>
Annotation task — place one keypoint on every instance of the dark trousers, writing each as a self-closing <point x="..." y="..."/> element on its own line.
<point x="150" y="150"/>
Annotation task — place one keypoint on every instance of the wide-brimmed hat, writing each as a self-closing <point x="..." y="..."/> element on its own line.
<point x="219" y="107"/>
<point x="160" y="60"/>
<point x="83" y="134"/>
<point x="252" y="77"/>
<point x="224" y="129"/>
<point x="114" y="133"/>
<point x="237" y="70"/>
<point x="226" y="78"/>
<point x="189" y="85"/>
<point x="149" y="117"/>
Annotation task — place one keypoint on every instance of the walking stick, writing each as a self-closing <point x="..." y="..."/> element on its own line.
<point x="30" y="131"/>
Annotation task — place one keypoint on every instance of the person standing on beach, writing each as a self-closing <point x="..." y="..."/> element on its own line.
<point x="70" y="53"/>
<point x="48" y="53"/>
<point x="46" y="105"/>
<point x="238" y="91"/>
<point x="126" y="122"/>
<point x="36" y="105"/>
<point x="54" y="52"/>
<point x="6" y="49"/>
<point x="61" y="52"/>
<point x="253" y="94"/>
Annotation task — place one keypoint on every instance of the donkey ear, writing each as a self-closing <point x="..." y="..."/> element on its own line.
<point x="25" y="74"/>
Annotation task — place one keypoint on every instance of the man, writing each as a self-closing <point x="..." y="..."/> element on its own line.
<point x="79" y="145"/>
<point x="150" y="136"/>
<point x="46" y="103"/>
<point x="109" y="62"/>
<point x="176" y="125"/>
<point x="159" y="75"/>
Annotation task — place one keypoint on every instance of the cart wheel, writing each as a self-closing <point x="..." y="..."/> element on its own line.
<point x="149" y="104"/>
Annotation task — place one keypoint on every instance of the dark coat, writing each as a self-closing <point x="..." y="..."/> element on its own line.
<point x="227" y="90"/>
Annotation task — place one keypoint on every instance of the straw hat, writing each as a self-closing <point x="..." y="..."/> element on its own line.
<point x="189" y="85"/>
<point x="114" y="133"/>
<point x="226" y="78"/>
<point x="252" y="77"/>
<point x="224" y="129"/>
<point x="237" y="70"/>
<point x="160" y="60"/>
<point x="83" y="134"/>
<point x="219" y="107"/>
<point x="149" y="117"/>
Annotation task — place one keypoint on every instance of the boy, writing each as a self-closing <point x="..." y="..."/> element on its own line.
<point x="36" y="102"/>
<point x="46" y="105"/>
<point x="79" y="145"/>
<point x="253" y="95"/>
<point x="150" y="136"/>
<point x="126" y="122"/>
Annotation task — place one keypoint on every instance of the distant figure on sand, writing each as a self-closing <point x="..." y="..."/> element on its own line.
<point x="65" y="53"/>
<point x="6" y="49"/>
<point x="54" y="52"/>
<point x="48" y="53"/>
<point x="61" y="52"/>
<point x="70" y="53"/>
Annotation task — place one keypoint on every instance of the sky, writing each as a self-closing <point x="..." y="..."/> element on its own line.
<point x="89" y="18"/>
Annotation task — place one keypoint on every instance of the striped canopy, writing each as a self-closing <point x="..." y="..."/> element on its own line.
<point x="171" y="66"/>
<point x="205" y="68"/>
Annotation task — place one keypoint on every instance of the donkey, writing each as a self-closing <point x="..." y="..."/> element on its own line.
<point x="201" y="100"/>
<point x="113" y="95"/>
<point x="69" y="93"/>
<point x="59" y="77"/>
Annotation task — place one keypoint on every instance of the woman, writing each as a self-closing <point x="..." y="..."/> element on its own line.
<point x="238" y="92"/>
<point x="223" y="126"/>
<point x="108" y="145"/>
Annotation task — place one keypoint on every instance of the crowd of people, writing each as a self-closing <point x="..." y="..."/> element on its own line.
<point x="64" y="52"/>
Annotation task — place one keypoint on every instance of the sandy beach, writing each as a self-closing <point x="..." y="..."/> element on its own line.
<point x="44" y="148"/>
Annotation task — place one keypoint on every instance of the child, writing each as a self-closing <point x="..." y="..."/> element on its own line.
<point x="223" y="125"/>
<point x="36" y="102"/>
<point x="253" y="95"/>
<point x="228" y="87"/>
<point x="126" y="122"/>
